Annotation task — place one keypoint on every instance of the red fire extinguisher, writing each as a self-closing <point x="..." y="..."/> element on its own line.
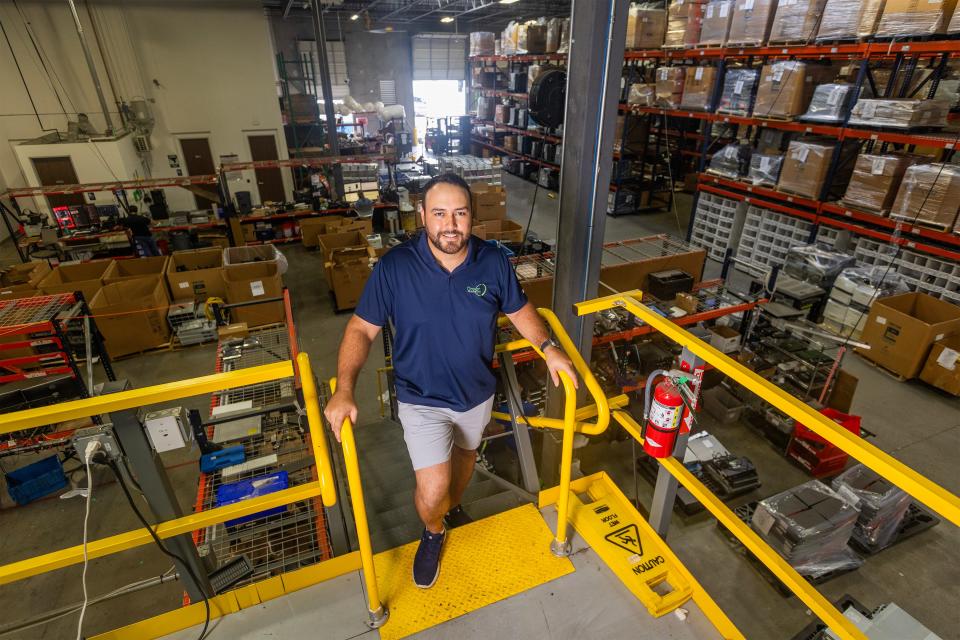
<point x="664" y="415"/>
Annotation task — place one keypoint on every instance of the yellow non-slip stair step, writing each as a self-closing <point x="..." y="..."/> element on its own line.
<point x="482" y="563"/>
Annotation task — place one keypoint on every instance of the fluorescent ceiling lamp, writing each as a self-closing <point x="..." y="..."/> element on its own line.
<point x="508" y="1"/>
<point x="446" y="19"/>
<point x="355" y="16"/>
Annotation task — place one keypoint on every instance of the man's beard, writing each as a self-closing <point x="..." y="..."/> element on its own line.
<point x="448" y="245"/>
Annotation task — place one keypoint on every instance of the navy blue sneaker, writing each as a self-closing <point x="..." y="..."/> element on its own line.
<point x="426" y="564"/>
<point x="457" y="517"/>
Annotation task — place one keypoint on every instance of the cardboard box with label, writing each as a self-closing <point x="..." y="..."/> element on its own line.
<point x="942" y="369"/>
<point x="901" y="329"/>
<point x="86" y="277"/>
<point x="136" y="268"/>
<point x="670" y="86"/>
<point x="140" y="323"/>
<point x="805" y="168"/>
<point x="875" y="181"/>
<point x="196" y="274"/>
<point x="645" y="27"/>
<point x="915" y="17"/>
<point x="796" y="20"/>
<point x="698" y="88"/>
<point x="929" y="194"/>
<point x="233" y="330"/>
<point x="488" y="201"/>
<point x="785" y="89"/>
<point x="750" y="24"/>
<point x="716" y="23"/>
<point x="251" y="282"/>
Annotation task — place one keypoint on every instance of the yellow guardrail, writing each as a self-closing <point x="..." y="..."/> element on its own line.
<point x="324" y="486"/>
<point x="377" y="612"/>
<point x="928" y="492"/>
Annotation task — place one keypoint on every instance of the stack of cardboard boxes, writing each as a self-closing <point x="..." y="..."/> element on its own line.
<point x="646" y="27"/>
<point x="488" y="203"/>
<point x="348" y="260"/>
<point x="698" y="88"/>
<point x="22" y="280"/>
<point x="684" y="18"/>
<point x="311" y="228"/>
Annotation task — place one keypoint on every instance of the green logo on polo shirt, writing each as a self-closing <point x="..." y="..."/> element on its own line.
<point x="478" y="290"/>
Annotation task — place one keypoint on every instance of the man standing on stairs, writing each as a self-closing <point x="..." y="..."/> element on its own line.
<point x="441" y="292"/>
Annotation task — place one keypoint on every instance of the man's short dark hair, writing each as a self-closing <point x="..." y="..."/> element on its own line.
<point x="444" y="178"/>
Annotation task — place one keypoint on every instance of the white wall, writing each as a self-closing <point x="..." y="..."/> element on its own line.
<point x="205" y="68"/>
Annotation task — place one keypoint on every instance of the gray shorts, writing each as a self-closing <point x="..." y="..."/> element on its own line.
<point x="431" y="432"/>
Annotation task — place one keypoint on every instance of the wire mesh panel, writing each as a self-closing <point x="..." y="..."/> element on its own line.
<point x="26" y="311"/>
<point x="277" y="453"/>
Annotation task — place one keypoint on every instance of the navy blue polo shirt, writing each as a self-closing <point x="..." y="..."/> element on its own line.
<point x="444" y="322"/>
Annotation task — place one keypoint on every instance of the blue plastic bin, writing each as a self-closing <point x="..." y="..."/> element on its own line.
<point x="252" y="488"/>
<point x="36" y="480"/>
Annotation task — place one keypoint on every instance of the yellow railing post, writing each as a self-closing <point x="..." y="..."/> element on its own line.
<point x="328" y="489"/>
<point x="561" y="544"/>
<point x="377" y="611"/>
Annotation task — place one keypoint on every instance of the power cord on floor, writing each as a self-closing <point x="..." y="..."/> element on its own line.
<point x="133" y="505"/>
<point x="92" y="447"/>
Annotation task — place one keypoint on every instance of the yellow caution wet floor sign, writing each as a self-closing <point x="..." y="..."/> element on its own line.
<point x="617" y="532"/>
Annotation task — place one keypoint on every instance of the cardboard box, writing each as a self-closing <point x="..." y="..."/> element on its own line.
<point x="503" y="230"/>
<point x="136" y="268"/>
<point x="645" y="27"/>
<point x="750" y="24"/>
<point x="726" y="339"/>
<point x="942" y="369"/>
<point x="915" y="17"/>
<point x="901" y="329"/>
<point x="24" y="277"/>
<point x="86" y="277"/>
<point x="796" y="20"/>
<point x="716" y="23"/>
<point x="670" y="86"/>
<point x="234" y="330"/>
<point x="250" y="282"/>
<point x="330" y="241"/>
<point x="805" y="168"/>
<point x="698" y="88"/>
<point x="785" y="89"/>
<point x="479" y="230"/>
<point x="348" y="276"/>
<point x="875" y="181"/>
<point x="310" y="228"/>
<point x="196" y="274"/>
<point x="684" y="19"/>
<point x="930" y="194"/>
<point x="127" y="332"/>
<point x="487" y="201"/>
<point x="850" y="19"/>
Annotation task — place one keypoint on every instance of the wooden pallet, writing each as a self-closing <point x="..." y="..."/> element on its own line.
<point x="776" y="118"/>
<point x="916" y="520"/>
<point x="927" y="224"/>
<point x="881" y="368"/>
<point x="859" y="207"/>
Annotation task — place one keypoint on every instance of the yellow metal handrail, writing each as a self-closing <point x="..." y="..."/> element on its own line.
<point x="375" y="609"/>
<point x="324" y="487"/>
<point x="914" y="483"/>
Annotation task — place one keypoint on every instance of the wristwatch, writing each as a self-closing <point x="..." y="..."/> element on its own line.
<point x="549" y="342"/>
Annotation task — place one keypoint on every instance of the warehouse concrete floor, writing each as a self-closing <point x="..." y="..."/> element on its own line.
<point x="913" y="422"/>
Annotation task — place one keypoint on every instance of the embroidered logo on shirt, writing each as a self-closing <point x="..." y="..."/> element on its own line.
<point x="478" y="290"/>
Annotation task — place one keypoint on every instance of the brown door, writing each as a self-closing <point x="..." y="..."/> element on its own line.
<point x="199" y="162"/>
<point x="58" y="171"/>
<point x="269" y="181"/>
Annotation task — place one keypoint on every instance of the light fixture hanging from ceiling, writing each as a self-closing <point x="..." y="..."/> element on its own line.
<point x="446" y="19"/>
<point x="355" y="16"/>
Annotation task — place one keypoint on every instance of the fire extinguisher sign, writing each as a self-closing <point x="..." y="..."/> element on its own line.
<point x="663" y="416"/>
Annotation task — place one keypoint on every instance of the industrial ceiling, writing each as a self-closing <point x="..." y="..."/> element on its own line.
<point x="467" y="15"/>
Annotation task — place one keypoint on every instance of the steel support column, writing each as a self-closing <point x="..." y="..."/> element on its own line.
<point x="316" y="10"/>
<point x="159" y="495"/>
<point x="598" y="31"/>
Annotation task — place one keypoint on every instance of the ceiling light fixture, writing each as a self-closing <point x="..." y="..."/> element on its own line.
<point x="508" y="1"/>
<point x="355" y="16"/>
<point x="446" y="19"/>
